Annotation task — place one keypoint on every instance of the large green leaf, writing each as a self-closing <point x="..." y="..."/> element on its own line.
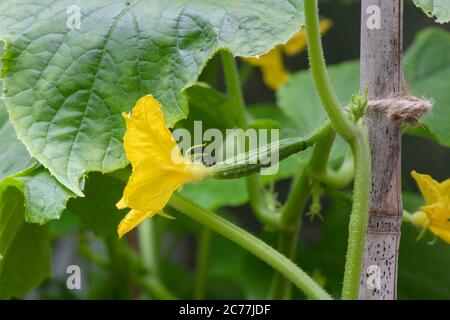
<point x="427" y="72"/>
<point x="437" y="8"/>
<point x="28" y="193"/>
<point x="44" y="197"/>
<point x="212" y="194"/>
<point x="24" y="247"/>
<point x="65" y="88"/>
<point x="13" y="155"/>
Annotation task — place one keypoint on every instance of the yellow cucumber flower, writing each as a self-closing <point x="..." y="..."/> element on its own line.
<point x="159" y="169"/>
<point x="435" y="214"/>
<point x="271" y="63"/>
<point x="272" y="68"/>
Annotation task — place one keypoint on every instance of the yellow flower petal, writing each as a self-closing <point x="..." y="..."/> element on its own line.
<point x="121" y="204"/>
<point x="298" y="42"/>
<point x="274" y="73"/>
<point x="272" y="68"/>
<point x="159" y="169"/>
<point x="147" y="134"/>
<point x="439" y="213"/>
<point x="435" y="215"/>
<point x="445" y="188"/>
<point x="151" y="184"/>
<point x="131" y="220"/>
<point x="444" y="234"/>
<point x="428" y="187"/>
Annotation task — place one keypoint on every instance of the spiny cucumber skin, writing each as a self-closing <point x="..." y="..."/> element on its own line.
<point x="237" y="170"/>
<point x="285" y="148"/>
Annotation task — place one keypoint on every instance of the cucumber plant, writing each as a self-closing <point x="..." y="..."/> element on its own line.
<point x="124" y="127"/>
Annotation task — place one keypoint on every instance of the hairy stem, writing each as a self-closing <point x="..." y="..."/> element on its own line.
<point x="254" y="189"/>
<point x="319" y="72"/>
<point x="295" y="206"/>
<point x="359" y="216"/>
<point x="356" y="136"/>
<point x="287" y="239"/>
<point x="234" y="90"/>
<point x="341" y="177"/>
<point x="252" y="244"/>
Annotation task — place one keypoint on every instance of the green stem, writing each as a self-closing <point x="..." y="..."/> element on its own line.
<point x="287" y="240"/>
<point x="233" y="83"/>
<point x="318" y="164"/>
<point x="202" y="264"/>
<point x="148" y="246"/>
<point x="234" y="90"/>
<point x="359" y="216"/>
<point x="407" y="217"/>
<point x="281" y="288"/>
<point x="319" y="72"/>
<point x="252" y="244"/>
<point x="300" y="191"/>
<point x="356" y="136"/>
<point x="295" y="206"/>
<point x="321" y="171"/>
<point x="340" y="178"/>
<point x="296" y="201"/>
